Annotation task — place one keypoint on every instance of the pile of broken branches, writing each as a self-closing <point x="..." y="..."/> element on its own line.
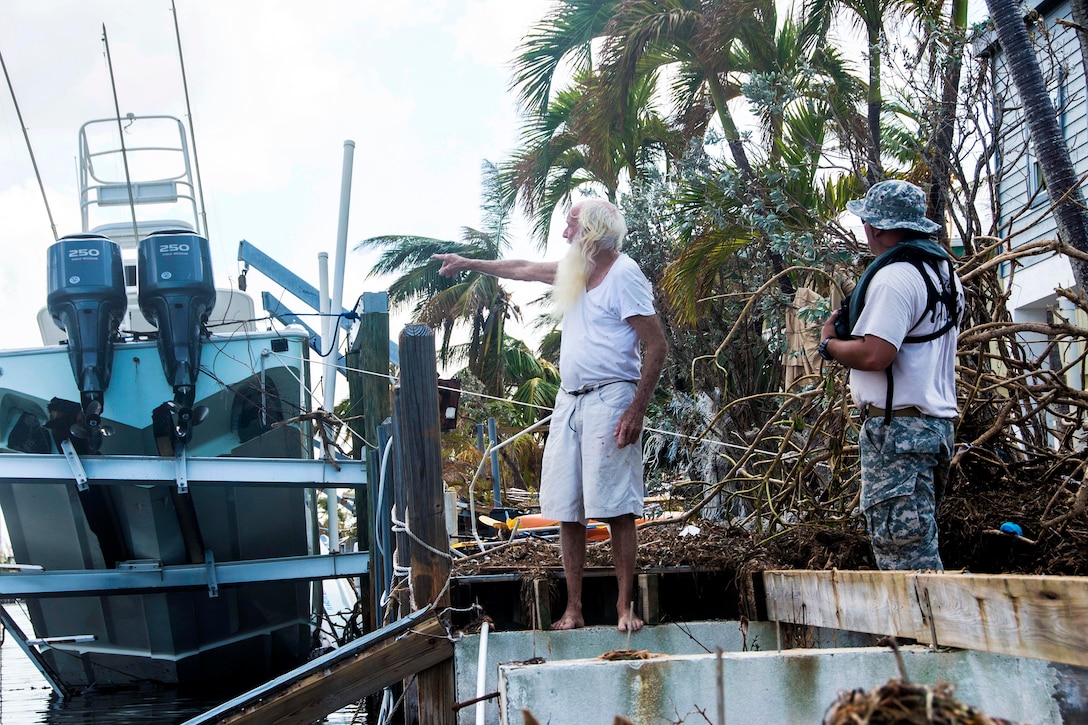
<point x="1020" y="442"/>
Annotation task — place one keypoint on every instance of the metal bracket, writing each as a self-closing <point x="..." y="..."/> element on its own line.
<point x="75" y="463"/>
<point x="71" y="639"/>
<point x="180" y="473"/>
<point x="927" y="613"/>
<point x="209" y="567"/>
<point x="44" y="667"/>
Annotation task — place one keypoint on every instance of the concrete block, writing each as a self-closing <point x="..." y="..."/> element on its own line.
<point x="680" y="638"/>
<point x="792" y="686"/>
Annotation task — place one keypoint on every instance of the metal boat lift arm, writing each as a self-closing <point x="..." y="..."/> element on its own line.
<point x="302" y="290"/>
<point x="287" y="279"/>
<point x="153" y="577"/>
<point x="43" y="667"/>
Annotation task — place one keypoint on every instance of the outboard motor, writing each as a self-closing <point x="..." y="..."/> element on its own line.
<point x="87" y="300"/>
<point x="177" y="294"/>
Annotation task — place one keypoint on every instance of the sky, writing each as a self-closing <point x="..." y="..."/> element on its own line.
<point x="276" y="88"/>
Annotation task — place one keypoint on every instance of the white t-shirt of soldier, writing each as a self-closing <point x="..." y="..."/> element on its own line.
<point x="924" y="374"/>
<point x="598" y="344"/>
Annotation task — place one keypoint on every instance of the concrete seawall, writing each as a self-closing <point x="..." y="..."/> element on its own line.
<point x="568" y="683"/>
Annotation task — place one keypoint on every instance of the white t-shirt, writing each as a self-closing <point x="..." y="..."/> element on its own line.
<point x="924" y="374"/>
<point x="599" y="345"/>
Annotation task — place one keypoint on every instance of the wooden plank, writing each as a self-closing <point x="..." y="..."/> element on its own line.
<point x="1041" y="617"/>
<point x="310" y="693"/>
<point x="648" y="592"/>
<point x="369" y="393"/>
<point x="856" y="601"/>
<point x="542" y="608"/>
<point x="420" y="441"/>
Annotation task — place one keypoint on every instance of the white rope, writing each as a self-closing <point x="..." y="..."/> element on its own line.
<point x="404" y="527"/>
<point x="484" y="396"/>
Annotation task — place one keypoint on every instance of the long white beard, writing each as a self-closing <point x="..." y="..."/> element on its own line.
<point x="570" y="279"/>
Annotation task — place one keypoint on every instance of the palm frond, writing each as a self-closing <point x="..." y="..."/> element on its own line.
<point x="564" y="35"/>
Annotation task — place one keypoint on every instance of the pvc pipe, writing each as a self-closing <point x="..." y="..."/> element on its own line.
<point x="332" y="314"/>
<point x="337" y="302"/>
<point x="324" y="305"/>
<point x="481" y="674"/>
<point x="496" y="480"/>
<point x="340" y="259"/>
<point x="332" y="499"/>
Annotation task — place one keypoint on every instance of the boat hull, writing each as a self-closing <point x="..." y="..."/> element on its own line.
<point x="227" y="636"/>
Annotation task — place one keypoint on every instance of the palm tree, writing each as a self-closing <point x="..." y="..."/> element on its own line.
<point x="805" y="100"/>
<point x="871" y="16"/>
<point x="923" y="145"/>
<point x="717" y="231"/>
<point x="697" y="38"/>
<point x="565" y="35"/>
<point x="578" y="141"/>
<point x="475" y="299"/>
<point x="537" y="382"/>
<point x="1050" y="147"/>
<point x="788" y="67"/>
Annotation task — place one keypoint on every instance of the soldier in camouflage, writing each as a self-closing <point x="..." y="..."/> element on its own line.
<point x="904" y="388"/>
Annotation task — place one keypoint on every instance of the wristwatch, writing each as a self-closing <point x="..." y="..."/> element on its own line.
<point x="822" y="350"/>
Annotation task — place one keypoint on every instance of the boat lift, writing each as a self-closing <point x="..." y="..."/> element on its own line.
<point x="138" y="577"/>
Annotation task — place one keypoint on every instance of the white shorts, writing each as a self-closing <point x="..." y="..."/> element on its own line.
<point x="584" y="474"/>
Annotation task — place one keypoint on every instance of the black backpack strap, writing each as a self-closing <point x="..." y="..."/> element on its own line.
<point x="888" y="402"/>
<point x="946" y="296"/>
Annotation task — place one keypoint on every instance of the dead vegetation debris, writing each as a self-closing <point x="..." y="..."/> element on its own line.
<point x="715" y="547"/>
<point x="901" y="703"/>
<point x="627" y="655"/>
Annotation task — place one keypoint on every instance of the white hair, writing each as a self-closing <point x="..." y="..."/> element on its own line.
<point x="600" y="226"/>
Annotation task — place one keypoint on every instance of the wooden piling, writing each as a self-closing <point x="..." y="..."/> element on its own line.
<point x="419" y="431"/>
<point x="369" y="393"/>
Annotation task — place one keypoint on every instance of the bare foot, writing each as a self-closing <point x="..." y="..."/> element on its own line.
<point x="629" y="622"/>
<point x="570" y="620"/>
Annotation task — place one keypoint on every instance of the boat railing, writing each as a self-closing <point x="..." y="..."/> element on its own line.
<point x="135" y="172"/>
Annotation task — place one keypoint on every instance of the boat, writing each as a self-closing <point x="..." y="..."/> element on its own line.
<point x="158" y="481"/>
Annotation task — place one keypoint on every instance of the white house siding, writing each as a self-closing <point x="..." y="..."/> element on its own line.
<point x="1032" y="287"/>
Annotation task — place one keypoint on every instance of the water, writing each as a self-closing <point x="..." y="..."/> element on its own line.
<point x="26" y="698"/>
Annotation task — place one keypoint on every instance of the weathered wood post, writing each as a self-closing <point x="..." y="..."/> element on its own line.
<point x="401" y="556"/>
<point x="369" y="392"/>
<point x="419" y="431"/>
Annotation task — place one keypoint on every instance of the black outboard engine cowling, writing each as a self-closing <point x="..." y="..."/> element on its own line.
<point x="177" y="293"/>
<point x="86" y="298"/>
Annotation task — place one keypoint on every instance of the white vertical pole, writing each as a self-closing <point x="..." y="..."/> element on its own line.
<point x="481" y="673"/>
<point x="328" y="374"/>
<point x="335" y="305"/>
<point x="323" y="293"/>
<point x="337" y="302"/>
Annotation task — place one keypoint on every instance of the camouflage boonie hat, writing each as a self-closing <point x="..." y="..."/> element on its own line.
<point x="894" y="205"/>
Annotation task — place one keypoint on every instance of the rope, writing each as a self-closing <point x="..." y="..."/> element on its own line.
<point x="511" y="401"/>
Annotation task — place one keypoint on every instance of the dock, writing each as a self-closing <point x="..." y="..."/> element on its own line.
<point x="1014" y="647"/>
<point x="337" y="679"/>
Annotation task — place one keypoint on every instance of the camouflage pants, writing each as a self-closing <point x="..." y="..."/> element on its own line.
<point x="904" y="467"/>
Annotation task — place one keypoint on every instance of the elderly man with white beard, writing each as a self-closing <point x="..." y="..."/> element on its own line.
<point x="592" y="465"/>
